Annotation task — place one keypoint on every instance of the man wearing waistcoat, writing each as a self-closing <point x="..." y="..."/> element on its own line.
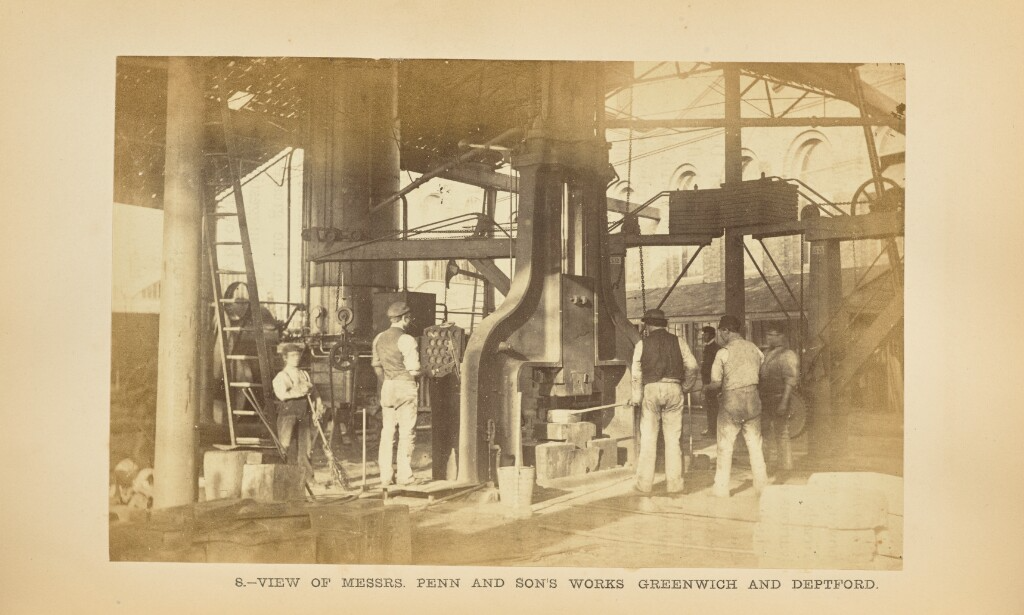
<point x="396" y="361"/>
<point x="663" y="369"/>
<point x="735" y="373"/>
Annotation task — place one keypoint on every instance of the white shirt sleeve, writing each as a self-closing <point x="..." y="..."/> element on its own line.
<point x="718" y="367"/>
<point x="636" y="371"/>
<point x="410" y="354"/>
<point x="375" y="358"/>
<point x="690" y="367"/>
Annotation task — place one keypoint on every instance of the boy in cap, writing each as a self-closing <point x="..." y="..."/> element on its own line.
<point x="396" y="361"/>
<point x="292" y="386"/>
<point x="663" y="369"/>
<point x="735" y="372"/>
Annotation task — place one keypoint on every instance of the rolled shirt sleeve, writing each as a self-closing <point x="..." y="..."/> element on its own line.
<point x="690" y="367"/>
<point x="374" y="357"/>
<point x="636" y="371"/>
<point x="718" y="367"/>
<point x="790" y="368"/>
<point x="410" y="354"/>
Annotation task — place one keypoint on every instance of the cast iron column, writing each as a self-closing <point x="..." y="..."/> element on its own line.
<point x="177" y="397"/>
<point x="732" y="244"/>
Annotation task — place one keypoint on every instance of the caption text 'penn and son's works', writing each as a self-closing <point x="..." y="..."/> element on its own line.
<point x="548" y="583"/>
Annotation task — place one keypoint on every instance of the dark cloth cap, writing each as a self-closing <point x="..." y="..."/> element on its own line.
<point x="655" y="317"/>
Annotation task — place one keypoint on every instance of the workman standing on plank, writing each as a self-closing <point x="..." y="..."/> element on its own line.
<point x="396" y="361"/>
<point x="663" y="369"/>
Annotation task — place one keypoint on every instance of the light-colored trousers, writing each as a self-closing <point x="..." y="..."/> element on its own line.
<point x="739" y="411"/>
<point x="399" y="400"/>
<point x="663" y="403"/>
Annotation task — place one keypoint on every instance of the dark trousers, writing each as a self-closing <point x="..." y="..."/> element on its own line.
<point x="294" y="423"/>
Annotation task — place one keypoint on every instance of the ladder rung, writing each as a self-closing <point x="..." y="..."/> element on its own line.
<point x="244" y="412"/>
<point x="222" y="214"/>
<point x="227" y="243"/>
<point x="239" y="329"/>
<point x="241" y="357"/>
<point x="246" y="385"/>
<point x="230" y="272"/>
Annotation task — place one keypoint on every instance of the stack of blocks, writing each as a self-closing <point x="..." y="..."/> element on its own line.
<point x="571" y="447"/>
<point x="837" y="520"/>
<point x="243" y="474"/>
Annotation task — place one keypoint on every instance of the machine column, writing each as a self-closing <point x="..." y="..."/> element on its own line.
<point x="732" y="245"/>
<point x="828" y="431"/>
<point x="177" y="401"/>
<point x="354" y="159"/>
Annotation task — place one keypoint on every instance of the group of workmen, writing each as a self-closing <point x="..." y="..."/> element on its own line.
<point x="396" y="361"/>
<point x="741" y="386"/>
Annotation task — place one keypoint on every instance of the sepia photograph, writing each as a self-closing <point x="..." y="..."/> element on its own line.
<point x="642" y="314"/>
<point x="461" y="307"/>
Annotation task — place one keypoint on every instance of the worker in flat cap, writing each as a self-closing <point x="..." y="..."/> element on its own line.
<point x="735" y="373"/>
<point x="293" y="387"/>
<point x="780" y="374"/>
<point x="396" y="361"/>
<point x="663" y="369"/>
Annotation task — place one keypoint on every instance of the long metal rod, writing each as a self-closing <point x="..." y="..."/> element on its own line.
<point x="645" y="205"/>
<point x="766" y="282"/>
<point x="768" y="253"/>
<point x="748" y="122"/>
<point x="679" y="277"/>
<point x="429" y="175"/>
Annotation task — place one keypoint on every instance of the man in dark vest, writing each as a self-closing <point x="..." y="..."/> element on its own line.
<point x="709" y="398"/>
<point x="396" y="361"/>
<point x="663" y="369"/>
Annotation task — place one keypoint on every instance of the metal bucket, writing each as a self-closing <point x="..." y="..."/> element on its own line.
<point x="515" y="486"/>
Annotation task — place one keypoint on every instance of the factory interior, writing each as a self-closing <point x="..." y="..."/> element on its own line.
<point x="528" y="213"/>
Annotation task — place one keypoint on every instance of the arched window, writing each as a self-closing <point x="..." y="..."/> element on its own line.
<point x="683" y="178"/>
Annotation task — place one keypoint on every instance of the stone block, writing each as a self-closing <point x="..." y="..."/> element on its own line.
<point x="222" y="473"/>
<point x="256" y="458"/>
<point x="554" y="460"/>
<point x="891" y="486"/>
<point x="889" y="539"/>
<point x="362" y="532"/>
<point x="270" y="482"/>
<point x="563" y="416"/>
<point x="583" y="461"/>
<point x="574" y="433"/>
<point x="807" y="505"/>
<point x="791" y="546"/>
<point x="608" y="453"/>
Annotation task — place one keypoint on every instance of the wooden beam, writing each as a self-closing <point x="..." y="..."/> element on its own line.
<point x="410" y="250"/>
<point x="850" y="228"/>
<point x="617" y="242"/>
<point x="483" y="177"/>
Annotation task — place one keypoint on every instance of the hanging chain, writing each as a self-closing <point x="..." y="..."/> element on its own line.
<point x="629" y="193"/>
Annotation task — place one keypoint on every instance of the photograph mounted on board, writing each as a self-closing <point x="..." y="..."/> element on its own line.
<point x="508" y="313"/>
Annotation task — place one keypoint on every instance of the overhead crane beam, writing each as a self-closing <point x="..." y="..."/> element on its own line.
<point x="752" y="122"/>
<point x="470" y="248"/>
<point x="483" y="177"/>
